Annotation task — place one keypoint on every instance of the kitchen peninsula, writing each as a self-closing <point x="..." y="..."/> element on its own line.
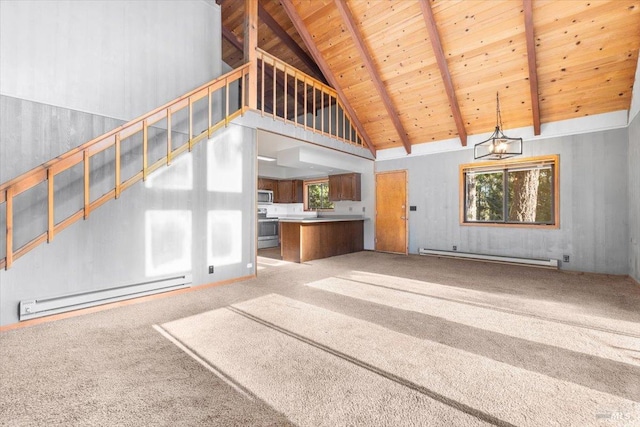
<point x="305" y="239"/>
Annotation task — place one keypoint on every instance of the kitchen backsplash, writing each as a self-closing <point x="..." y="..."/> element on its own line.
<point x="297" y="209"/>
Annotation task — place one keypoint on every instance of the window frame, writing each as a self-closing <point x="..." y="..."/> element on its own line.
<point x="305" y="194"/>
<point x="502" y="165"/>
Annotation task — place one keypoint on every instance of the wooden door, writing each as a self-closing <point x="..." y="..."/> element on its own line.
<point x="391" y="212"/>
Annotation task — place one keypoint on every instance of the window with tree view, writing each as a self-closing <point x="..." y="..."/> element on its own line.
<point x="522" y="192"/>
<point x="317" y="195"/>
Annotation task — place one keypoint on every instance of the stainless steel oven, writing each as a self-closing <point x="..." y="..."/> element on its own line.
<point x="267" y="230"/>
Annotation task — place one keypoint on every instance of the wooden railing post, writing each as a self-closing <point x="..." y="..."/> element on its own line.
<point x="9" y="224"/>
<point x="321" y="110"/>
<point x="87" y="171"/>
<point x="274" y="106"/>
<point x="50" y="207"/>
<point x="190" y="124"/>
<point x="295" y="96"/>
<point x="169" y="149"/>
<point x="262" y="99"/>
<point x="226" y="102"/>
<point x="250" y="45"/>
<point x="145" y="146"/>
<point x="118" y="183"/>
<point x="209" y="112"/>
<point x="313" y="113"/>
<point x="305" y="103"/>
<point x="285" y="111"/>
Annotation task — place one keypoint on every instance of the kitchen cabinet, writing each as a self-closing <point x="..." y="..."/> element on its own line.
<point x="289" y="191"/>
<point x="267" y="184"/>
<point x="307" y="240"/>
<point x="345" y="186"/>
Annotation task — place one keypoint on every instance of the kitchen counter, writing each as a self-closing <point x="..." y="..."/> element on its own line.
<point x="308" y="238"/>
<point x="335" y="218"/>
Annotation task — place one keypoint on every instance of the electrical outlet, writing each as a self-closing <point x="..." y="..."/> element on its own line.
<point x="455" y="248"/>
<point x="350" y="208"/>
<point x="565" y="258"/>
<point x="250" y="265"/>
<point x="211" y="269"/>
<point x="363" y="209"/>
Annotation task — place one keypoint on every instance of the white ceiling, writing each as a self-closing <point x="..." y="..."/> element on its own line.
<point x="298" y="159"/>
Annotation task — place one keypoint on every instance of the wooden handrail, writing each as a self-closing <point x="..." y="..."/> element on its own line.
<point x="269" y="64"/>
<point x="152" y="116"/>
<point x="83" y="153"/>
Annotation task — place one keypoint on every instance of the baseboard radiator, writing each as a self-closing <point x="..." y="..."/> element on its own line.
<point x="31" y="309"/>
<point x="544" y="263"/>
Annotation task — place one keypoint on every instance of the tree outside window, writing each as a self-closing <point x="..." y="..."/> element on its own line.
<point x="317" y="195"/>
<point x="523" y="192"/>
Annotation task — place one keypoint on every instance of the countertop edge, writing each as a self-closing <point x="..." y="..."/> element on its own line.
<point x="317" y="220"/>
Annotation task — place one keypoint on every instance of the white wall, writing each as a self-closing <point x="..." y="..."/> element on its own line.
<point x="634" y="198"/>
<point x="118" y="58"/>
<point x="593" y="205"/>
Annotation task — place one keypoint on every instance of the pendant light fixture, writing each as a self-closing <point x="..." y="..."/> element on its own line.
<point x="498" y="146"/>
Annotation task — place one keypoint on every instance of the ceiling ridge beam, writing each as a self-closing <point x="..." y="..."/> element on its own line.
<point x="347" y="18"/>
<point x="289" y="41"/>
<point x="436" y="44"/>
<point x="533" y="68"/>
<point x="315" y="53"/>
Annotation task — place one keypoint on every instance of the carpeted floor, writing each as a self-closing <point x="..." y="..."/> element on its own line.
<point x="361" y="339"/>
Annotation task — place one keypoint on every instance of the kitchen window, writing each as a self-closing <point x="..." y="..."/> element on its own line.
<point x="521" y="192"/>
<point x="316" y="195"/>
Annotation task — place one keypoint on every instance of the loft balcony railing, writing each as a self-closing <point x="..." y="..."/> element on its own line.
<point x="99" y="170"/>
<point x="288" y="94"/>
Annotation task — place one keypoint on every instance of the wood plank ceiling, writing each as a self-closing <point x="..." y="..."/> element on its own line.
<point x="417" y="71"/>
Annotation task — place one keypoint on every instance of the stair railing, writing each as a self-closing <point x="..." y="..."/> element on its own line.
<point x="113" y="139"/>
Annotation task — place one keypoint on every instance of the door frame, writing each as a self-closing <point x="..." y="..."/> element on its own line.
<point x="406" y="209"/>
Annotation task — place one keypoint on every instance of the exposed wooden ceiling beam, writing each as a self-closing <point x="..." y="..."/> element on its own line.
<point x="533" y="73"/>
<point x="289" y="42"/>
<point x="347" y="19"/>
<point x="236" y="41"/>
<point x="308" y="41"/>
<point x="444" y="69"/>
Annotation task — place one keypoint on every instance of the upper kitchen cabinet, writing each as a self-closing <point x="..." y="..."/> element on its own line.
<point x="344" y="187"/>
<point x="289" y="191"/>
<point x="268" y="184"/>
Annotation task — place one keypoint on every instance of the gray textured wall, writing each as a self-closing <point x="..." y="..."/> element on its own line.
<point x="593" y="205"/>
<point x="634" y="198"/>
<point x="117" y="58"/>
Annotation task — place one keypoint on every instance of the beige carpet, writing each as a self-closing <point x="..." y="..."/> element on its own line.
<point x="361" y="339"/>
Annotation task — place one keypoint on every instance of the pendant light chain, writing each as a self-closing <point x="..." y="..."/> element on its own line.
<point x="498" y="115"/>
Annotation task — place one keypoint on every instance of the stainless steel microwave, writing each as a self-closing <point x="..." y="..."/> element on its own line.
<point x="265" y="197"/>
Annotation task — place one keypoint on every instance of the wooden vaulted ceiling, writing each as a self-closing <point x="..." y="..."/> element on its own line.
<point x="417" y="71"/>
